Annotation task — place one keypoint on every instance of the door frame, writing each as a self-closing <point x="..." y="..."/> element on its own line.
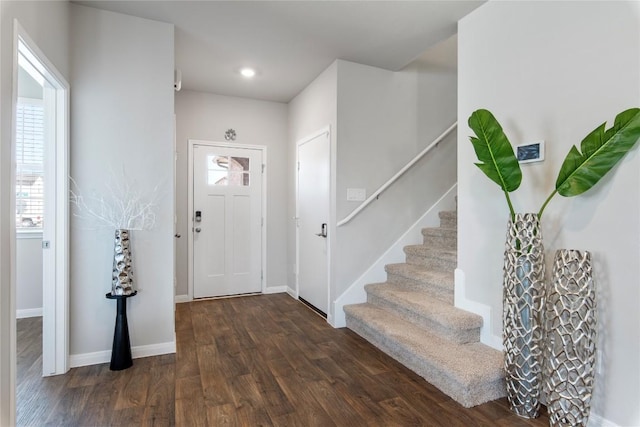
<point x="55" y="296"/>
<point x="331" y="225"/>
<point x="190" y="225"/>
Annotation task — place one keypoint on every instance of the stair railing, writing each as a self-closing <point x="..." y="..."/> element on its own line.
<point x="395" y="177"/>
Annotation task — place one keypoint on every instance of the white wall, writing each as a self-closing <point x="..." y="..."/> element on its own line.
<point x="206" y="116"/>
<point x="47" y="23"/>
<point x="310" y="111"/>
<point x="554" y="71"/>
<point x="384" y="119"/>
<point x="28" y="276"/>
<point x="121" y="120"/>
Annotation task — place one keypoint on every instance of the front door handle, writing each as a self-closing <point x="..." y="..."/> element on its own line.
<point x="323" y="231"/>
<point x="198" y="229"/>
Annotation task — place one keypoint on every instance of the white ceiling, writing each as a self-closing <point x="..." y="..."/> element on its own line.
<point x="290" y="43"/>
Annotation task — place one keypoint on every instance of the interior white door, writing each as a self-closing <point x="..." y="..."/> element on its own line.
<point x="227" y="221"/>
<point x="313" y="220"/>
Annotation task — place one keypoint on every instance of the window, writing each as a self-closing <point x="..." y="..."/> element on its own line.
<point x="29" y="164"/>
<point x="224" y="170"/>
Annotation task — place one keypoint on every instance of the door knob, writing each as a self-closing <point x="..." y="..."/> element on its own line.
<point x="198" y="229"/>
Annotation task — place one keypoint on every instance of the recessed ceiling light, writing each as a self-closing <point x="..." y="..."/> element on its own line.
<point x="248" y="72"/>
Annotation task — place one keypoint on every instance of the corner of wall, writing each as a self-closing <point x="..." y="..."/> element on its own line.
<point x="461" y="302"/>
<point x="179" y="299"/>
<point x="137" y="352"/>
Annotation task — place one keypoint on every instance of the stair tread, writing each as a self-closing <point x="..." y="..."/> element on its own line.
<point x="427" y="250"/>
<point x="469" y="364"/>
<point x="439" y="230"/>
<point x="421" y="304"/>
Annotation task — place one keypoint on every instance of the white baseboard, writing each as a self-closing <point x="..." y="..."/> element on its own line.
<point x="596" y="420"/>
<point x="461" y="301"/>
<point x="182" y="298"/>
<point x="95" y="358"/>
<point x="268" y="290"/>
<point x="28" y="312"/>
<point x="356" y="294"/>
<point x="292" y="293"/>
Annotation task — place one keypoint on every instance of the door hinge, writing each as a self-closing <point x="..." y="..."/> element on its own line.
<point x="298" y="165"/>
<point x="261" y="275"/>
<point x="263" y="166"/>
<point x="262" y="222"/>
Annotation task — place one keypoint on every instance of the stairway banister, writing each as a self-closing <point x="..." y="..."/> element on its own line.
<point x="395" y="177"/>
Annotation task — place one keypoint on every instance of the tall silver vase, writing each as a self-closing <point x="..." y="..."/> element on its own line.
<point x="570" y="349"/>
<point x="523" y="302"/>
<point x="122" y="276"/>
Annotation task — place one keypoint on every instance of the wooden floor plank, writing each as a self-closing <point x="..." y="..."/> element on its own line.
<point x="252" y="361"/>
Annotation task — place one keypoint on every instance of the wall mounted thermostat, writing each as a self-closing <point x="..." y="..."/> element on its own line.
<point x="530" y="152"/>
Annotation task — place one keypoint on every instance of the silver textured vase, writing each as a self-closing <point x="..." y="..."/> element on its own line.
<point x="523" y="303"/>
<point x="570" y="350"/>
<point x="122" y="276"/>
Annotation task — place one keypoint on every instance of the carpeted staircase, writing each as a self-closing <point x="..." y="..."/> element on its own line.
<point x="411" y="317"/>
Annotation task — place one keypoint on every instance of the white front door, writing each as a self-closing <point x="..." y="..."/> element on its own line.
<point x="313" y="220"/>
<point x="227" y="221"/>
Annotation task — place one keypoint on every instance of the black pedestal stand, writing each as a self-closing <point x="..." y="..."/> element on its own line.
<point x="121" y="351"/>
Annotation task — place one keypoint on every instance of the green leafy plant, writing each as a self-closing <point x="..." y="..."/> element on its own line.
<point x="601" y="151"/>
<point x="581" y="169"/>
<point x="495" y="153"/>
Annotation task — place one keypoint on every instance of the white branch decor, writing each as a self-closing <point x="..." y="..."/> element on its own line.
<point x="123" y="206"/>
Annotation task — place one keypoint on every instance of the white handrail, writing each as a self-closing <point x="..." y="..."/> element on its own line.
<point x="393" y="179"/>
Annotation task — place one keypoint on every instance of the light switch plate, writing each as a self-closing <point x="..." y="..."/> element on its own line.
<point x="356" y="194"/>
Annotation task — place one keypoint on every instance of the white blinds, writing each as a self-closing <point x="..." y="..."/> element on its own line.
<point x="29" y="164"/>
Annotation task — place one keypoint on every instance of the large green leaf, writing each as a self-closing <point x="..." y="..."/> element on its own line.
<point x="494" y="151"/>
<point x="601" y="150"/>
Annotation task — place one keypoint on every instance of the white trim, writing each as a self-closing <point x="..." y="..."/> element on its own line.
<point x="275" y="289"/>
<point x="55" y="358"/>
<point x="189" y="220"/>
<point x="292" y="293"/>
<point x="98" y="357"/>
<point x="395" y="177"/>
<point x="28" y="312"/>
<point x="263" y="229"/>
<point x="596" y="420"/>
<point x="331" y="229"/>
<point x="355" y="293"/>
<point x="179" y="299"/>
<point x="461" y="301"/>
<point x="8" y="394"/>
<point x="263" y="249"/>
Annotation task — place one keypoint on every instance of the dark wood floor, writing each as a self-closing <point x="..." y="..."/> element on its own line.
<point x="91" y="395"/>
<point x="250" y="361"/>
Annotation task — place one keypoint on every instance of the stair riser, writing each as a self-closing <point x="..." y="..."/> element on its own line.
<point x="459" y="336"/>
<point x="460" y="392"/>
<point x="448" y="220"/>
<point x="443" y="242"/>
<point x="442" y="294"/>
<point x="432" y="262"/>
<point x="440" y="231"/>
